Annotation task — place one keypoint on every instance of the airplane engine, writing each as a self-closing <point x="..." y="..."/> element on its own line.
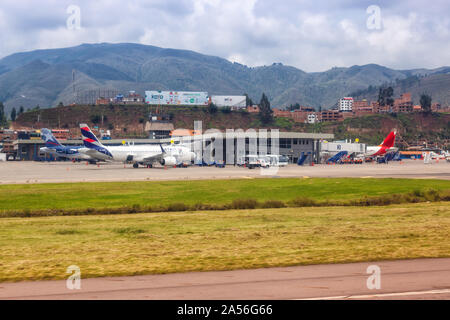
<point x="188" y="157"/>
<point x="191" y="157"/>
<point x="169" y="161"/>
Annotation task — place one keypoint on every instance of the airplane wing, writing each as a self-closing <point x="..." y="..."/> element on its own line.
<point x="151" y="157"/>
<point x="92" y="154"/>
<point x="89" y="152"/>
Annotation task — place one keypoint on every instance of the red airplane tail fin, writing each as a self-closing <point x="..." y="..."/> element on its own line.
<point x="390" y="140"/>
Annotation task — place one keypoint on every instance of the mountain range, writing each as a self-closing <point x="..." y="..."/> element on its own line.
<point x="44" y="77"/>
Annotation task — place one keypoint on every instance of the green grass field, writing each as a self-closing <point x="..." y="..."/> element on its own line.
<point x="117" y="194"/>
<point x="112" y="245"/>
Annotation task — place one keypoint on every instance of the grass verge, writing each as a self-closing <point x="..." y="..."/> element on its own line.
<point x="114" y="245"/>
<point x="134" y="197"/>
<point x="413" y="197"/>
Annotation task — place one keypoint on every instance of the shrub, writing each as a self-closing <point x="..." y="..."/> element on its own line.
<point x="244" y="204"/>
<point x="96" y="118"/>
<point x="226" y="110"/>
<point x="135" y="208"/>
<point x="212" y="108"/>
<point x="445" y="195"/>
<point x="273" y="204"/>
<point x="204" y="207"/>
<point x="177" y="207"/>
<point x="432" y="195"/>
<point x="67" y="232"/>
<point x="303" y="202"/>
<point x="129" y="231"/>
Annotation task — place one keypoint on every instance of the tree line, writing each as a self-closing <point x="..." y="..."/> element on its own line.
<point x="265" y="111"/>
<point x="386" y="98"/>
<point x="13" y="115"/>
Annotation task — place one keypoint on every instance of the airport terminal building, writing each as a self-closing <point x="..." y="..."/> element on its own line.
<point x="216" y="147"/>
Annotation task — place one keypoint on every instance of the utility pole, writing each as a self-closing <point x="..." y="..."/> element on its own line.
<point x="73" y="86"/>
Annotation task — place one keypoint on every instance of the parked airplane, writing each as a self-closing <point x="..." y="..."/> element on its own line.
<point x="182" y="153"/>
<point x="386" y="146"/>
<point x="435" y="155"/>
<point x="56" y="149"/>
<point x="138" y="154"/>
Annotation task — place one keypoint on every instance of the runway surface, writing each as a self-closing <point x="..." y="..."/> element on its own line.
<point x="41" y="172"/>
<point x="403" y="279"/>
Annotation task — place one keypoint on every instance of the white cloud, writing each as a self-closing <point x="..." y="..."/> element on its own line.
<point x="310" y="35"/>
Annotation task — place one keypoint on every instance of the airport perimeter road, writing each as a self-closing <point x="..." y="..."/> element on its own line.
<point x="405" y="279"/>
<point x="39" y="172"/>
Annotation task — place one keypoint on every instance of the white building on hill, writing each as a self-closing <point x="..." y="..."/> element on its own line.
<point x="346" y="104"/>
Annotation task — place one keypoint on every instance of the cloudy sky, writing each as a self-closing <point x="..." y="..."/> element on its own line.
<point x="310" y="35"/>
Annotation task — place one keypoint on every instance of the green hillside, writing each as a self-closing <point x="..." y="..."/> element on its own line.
<point x="44" y="77"/>
<point x="436" y="85"/>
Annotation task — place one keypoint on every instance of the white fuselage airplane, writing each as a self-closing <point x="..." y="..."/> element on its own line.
<point x="386" y="146"/>
<point x="181" y="153"/>
<point x="138" y="154"/>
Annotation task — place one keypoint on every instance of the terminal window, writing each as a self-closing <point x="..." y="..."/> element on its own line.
<point x="285" y="143"/>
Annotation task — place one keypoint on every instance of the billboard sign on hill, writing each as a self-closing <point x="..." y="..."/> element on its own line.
<point x="174" y="98"/>
<point x="229" y="101"/>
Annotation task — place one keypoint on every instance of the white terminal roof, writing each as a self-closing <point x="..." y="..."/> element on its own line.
<point x="229" y="135"/>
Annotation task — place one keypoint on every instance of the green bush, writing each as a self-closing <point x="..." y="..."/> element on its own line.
<point x="303" y="202"/>
<point x="177" y="207"/>
<point x="273" y="204"/>
<point x="129" y="231"/>
<point x="244" y="204"/>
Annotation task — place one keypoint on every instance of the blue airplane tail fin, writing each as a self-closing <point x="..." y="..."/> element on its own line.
<point x="50" y="140"/>
<point x="90" y="141"/>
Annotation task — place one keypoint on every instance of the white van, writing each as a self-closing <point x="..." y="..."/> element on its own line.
<point x="265" y="161"/>
<point x="252" y="161"/>
<point x="277" y="160"/>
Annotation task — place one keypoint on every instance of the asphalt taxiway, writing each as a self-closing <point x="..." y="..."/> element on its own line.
<point x="401" y="279"/>
<point x="57" y="172"/>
